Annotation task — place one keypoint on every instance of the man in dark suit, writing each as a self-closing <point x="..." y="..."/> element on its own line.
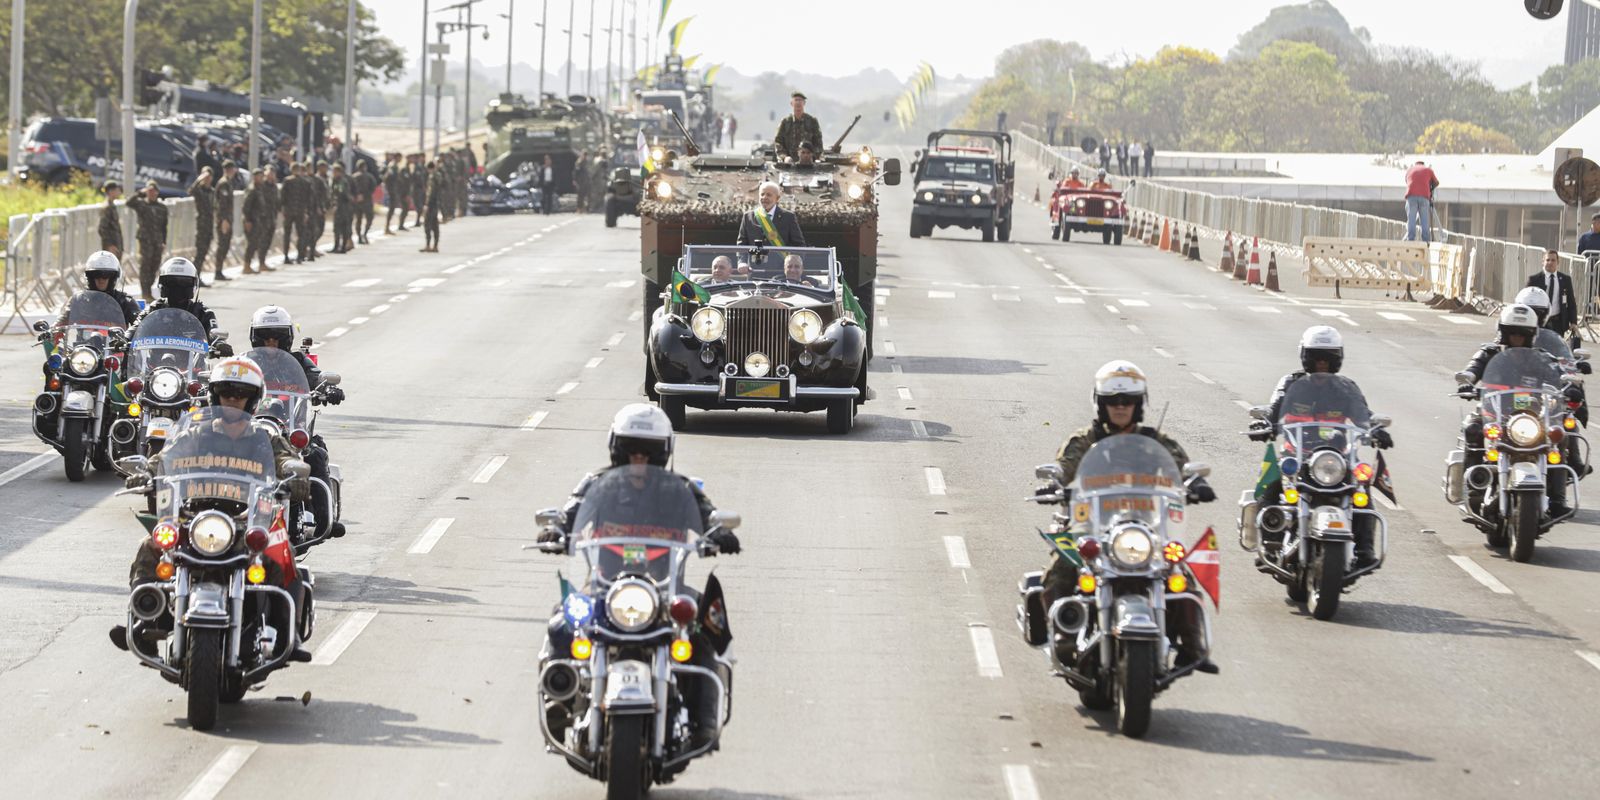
<point x="1558" y="285"/>
<point x="784" y="223"/>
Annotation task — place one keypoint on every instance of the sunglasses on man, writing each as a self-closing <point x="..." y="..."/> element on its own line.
<point x="1121" y="399"/>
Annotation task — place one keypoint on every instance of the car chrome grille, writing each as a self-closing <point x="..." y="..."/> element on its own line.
<point x="763" y="329"/>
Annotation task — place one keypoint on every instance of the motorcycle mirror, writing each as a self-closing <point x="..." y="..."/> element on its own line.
<point x="297" y="469"/>
<point x="1581" y="354"/>
<point x="547" y="516"/>
<point x="331" y="378"/>
<point x="726" y="520"/>
<point x="1049" y="472"/>
<point x="891" y="172"/>
<point x="1382" y="420"/>
<point x="41" y="326"/>
<point x="1466" y="378"/>
<point x="134" y="465"/>
<point x="1259" y="412"/>
<point x="1196" y="469"/>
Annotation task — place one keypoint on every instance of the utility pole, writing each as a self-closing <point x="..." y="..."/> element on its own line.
<point x="422" y="87"/>
<point x="349" y="84"/>
<point x="611" y="35"/>
<point x="544" y="13"/>
<point x="466" y="102"/>
<point x="130" y="13"/>
<point x="438" y="90"/>
<point x="588" y="72"/>
<point x="14" y="128"/>
<point x="570" y="5"/>
<point x="633" y="51"/>
<point x="511" y="10"/>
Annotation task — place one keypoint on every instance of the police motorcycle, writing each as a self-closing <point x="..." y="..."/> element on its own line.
<point x="166" y="376"/>
<point x="1501" y="486"/>
<point x="1111" y="640"/>
<point x="1574" y="445"/>
<point x="288" y="407"/>
<point x="634" y="645"/>
<point x="73" y="414"/>
<point x="1307" y="529"/>
<point x="223" y="590"/>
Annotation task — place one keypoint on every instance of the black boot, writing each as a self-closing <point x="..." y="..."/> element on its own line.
<point x="1365" y="555"/>
<point x="119" y="637"/>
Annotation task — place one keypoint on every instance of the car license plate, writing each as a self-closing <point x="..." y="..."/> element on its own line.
<point x="759" y="389"/>
<point x="1096" y="221"/>
<point x="159" y="427"/>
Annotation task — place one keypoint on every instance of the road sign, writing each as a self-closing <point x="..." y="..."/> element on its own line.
<point x="1577" y="182"/>
<point x="438" y="72"/>
<point x="439" y="49"/>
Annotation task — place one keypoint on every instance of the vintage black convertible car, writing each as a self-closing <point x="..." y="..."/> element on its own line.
<point x="758" y="327"/>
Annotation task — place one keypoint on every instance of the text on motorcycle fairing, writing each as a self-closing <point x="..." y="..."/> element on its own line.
<point x="209" y="462"/>
<point x="1125" y="479"/>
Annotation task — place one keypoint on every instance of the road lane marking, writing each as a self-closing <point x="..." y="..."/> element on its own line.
<point x="1009" y="298"/>
<point x="1387" y="503"/>
<point x="1481" y="575"/>
<point x="616" y="339"/>
<point x="360" y="320"/>
<point x="983" y="649"/>
<point x="1112" y="309"/>
<point x="880" y="292"/>
<point x="216" y="777"/>
<point x="335" y="645"/>
<point x="1019" y="782"/>
<point x="935" y="479"/>
<point x="337" y="332"/>
<point x="883" y="320"/>
<point x="1392" y="343"/>
<point x="905" y="394"/>
<point x="1590" y="656"/>
<point x="935" y="295"/>
<point x="1077" y="301"/>
<point x="457" y="268"/>
<point x="636" y="315"/>
<point x="26" y="467"/>
<point x="1203" y="379"/>
<point x="1028" y="250"/>
<point x="380" y="309"/>
<point x="567" y="387"/>
<point x="431" y="536"/>
<point x="1161" y="352"/>
<point x="1133" y="303"/>
<point x="487" y="471"/>
<point x="1244" y="404"/>
<point x="919" y="429"/>
<point x="1200" y="306"/>
<point x="1134" y="329"/>
<point x="1266" y="309"/>
<point x="1396" y="316"/>
<point x="955" y="548"/>
<point x="400" y="298"/>
<point x="620" y="284"/>
<point x="888" y="347"/>
<point x="1458" y="320"/>
<point x="425" y="283"/>
<point x="362" y="283"/>
<point x="533" y="420"/>
<point x="1328" y="312"/>
<point x="593" y="362"/>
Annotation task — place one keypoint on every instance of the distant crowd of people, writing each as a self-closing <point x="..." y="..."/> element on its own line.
<point x="1133" y="159"/>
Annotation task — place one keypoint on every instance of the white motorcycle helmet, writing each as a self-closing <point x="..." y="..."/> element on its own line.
<point x="1120" y="379"/>
<point x="102" y="264"/>
<point x="1535" y="298"/>
<point x="178" y="279"/>
<point x="640" y="428"/>
<point x="273" y="322"/>
<point x="1518" y="319"/>
<point x="230" y="374"/>
<point x="1321" y="343"/>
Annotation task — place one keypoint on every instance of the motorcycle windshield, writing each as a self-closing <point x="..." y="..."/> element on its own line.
<point x="287" y="398"/>
<point x="1552" y="343"/>
<point x="1127" y="478"/>
<point x="90" y="318"/>
<point x="1518" y="380"/>
<point x="633" y="519"/>
<point x="168" y="337"/>
<point x="218" y="453"/>
<point x="1319" y="410"/>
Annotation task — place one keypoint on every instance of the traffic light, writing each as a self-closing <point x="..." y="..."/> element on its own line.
<point x="149" y="83"/>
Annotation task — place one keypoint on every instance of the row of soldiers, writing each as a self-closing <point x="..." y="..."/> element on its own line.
<point x="589" y="180"/>
<point x="407" y="187"/>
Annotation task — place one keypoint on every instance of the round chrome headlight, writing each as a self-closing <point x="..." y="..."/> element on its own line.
<point x="165" y="384"/>
<point x="707" y="324"/>
<point x="1327" y="468"/>
<point x="631" y="605"/>
<point x="1522" y="431"/>
<point x="664" y="190"/>
<point x="977" y="198"/>
<point x="83" y="361"/>
<point x="805" y="326"/>
<point x="757" y="364"/>
<point x="928" y="196"/>
<point x="855" y="191"/>
<point x="211" y="533"/>
<point x="1132" y="548"/>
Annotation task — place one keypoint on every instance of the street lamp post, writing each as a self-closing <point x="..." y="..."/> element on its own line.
<point x="544" y="13"/>
<point x="466" y="102"/>
<point x="511" y="10"/>
<point x="14" y="128"/>
<point x="349" y="84"/>
<point x="570" y="4"/>
<point x="588" y="72"/>
<point x="422" y="87"/>
<point x="130" y="13"/>
<point x="255" y="87"/>
<point x="611" y="35"/>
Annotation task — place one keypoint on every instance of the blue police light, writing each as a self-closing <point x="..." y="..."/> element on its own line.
<point x="1289" y="465"/>
<point x="54" y="362"/>
<point x="578" y="609"/>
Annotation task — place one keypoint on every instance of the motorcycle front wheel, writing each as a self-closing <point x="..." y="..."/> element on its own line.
<point x="1326" y="578"/>
<point x="627" y="771"/>
<point x="1136" y="687"/>
<point x="205" y="677"/>
<point x="1525" y="529"/>
<point x="75" y="448"/>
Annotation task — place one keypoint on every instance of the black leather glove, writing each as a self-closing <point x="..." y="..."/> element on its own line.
<point x="725" y="541"/>
<point x="1466" y="391"/>
<point x="335" y="395"/>
<point x="1260" y="431"/>
<point x="1573" y="393"/>
<point x="136" y="482"/>
<point x="1381" y="439"/>
<point x="551" y="536"/>
<point x="221" y="350"/>
<point x="1201" y="492"/>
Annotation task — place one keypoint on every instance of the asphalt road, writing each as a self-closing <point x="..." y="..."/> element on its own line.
<point x="873" y="607"/>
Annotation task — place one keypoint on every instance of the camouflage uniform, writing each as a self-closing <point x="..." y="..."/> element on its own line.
<point x="343" y="212"/>
<point x="582" y="182"/>
<point x="257" y="216"/>
<point x="152" y="238"/>
<point x="319" y="209"/>
<point x="462" y="178"/>
<point x="296" y="198"/>
<point x="222" y="194"/>
<point x="274" y="197"/>
<point x="204" y="220"/>
<point x="791" y="132"/>
<point x="364" y="184"/>
<point x="394" y="194"/>
<point x="419" y="188"/>
<point x="111" y="228"/>
<point x="431" y="206"/>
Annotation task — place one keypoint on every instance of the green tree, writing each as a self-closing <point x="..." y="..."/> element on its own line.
<point x="1566" y="93"/>
<point x="1292" y="98"/>
<point x="1290" y="22"/>
<point x="1454" y="136"/>
<point x="1162" y="91"/>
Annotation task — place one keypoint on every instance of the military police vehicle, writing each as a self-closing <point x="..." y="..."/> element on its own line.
<point x="965" y="180"/>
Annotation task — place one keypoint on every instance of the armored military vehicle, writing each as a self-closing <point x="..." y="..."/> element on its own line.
<point x="561" y="129"/>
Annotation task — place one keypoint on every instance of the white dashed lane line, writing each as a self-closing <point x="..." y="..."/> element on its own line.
<point x="534" y="419"/>
<point x="26" y="467"/>
<point x="1161" y="352"/>
<point x="905" y="393"/>
<point x="1590" y="656"/>
<point x="636" y="315"/>
<point x="1396" y="316"/>
<point x="937" y="295"/>
<point x="983" y="650"/>
<point x="1019" y="783"/>
<point x="1134" y="303"/>
<point x="431" y="536"/>
<point x="424" y="283"/>
<point x="360" y="320"/>
<point x="334" y="646"/>
<point x="1200" y="306"/>
<point x="1113" y="309"/>
<point x="1266" y="309"/>
<point x="1481" y="575"/>
<point x="919" y="429"/>
<point x="593" y="362"/>
<point x="935" y="478"/>
<point x="955" y="548"/>
<point x="1078" y="301"/>
<point x="567" y="387"/>
<point x="362" y="283"/>
<point x="1458" y="320"/>
<point x="1203" y="379"/>
<point x="211" y="782"/>
<point x="337" y="332"/>
<point x="487" y="471"/>
<point x="453" y="270"/>
<point x="376" y="310"/>
<point x="888" y="347"/>
<point x="616" y="339"/>
<point x="1244" y="404"/>
<point x="1134" y="329"/>
<point x="1009" y="298"/>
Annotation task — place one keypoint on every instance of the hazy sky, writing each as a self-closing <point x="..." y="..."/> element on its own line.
<point x="841" y="37"/>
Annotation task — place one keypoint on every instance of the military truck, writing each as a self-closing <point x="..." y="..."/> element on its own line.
<point x="561" y="129"/>
<point x="700" y="198"/>
<point x="965" y="185"/>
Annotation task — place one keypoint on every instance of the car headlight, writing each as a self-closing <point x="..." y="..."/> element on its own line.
<point x="631" y="605"/>
<point x="211" y="533"/>
<point x="977" y="198"/>
<point x="83" y="361"/>
<point x="1327" y="468"/>
<point x="927" y="196"/>
<point x="1523" y="430"/>
<point x="756" y="364"/>
<point x="658" y="155"/>
<point x="855" y="191"/>
<point x="664" y="191"/>
<point x="1132" y="548"/>
<point x="707" y="324"/>
<point x="165" y="384"/>
<point x="805" y="326"/>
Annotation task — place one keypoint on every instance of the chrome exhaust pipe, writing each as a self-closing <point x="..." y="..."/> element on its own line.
<point x="124" y="431"/>
<point x="559" y="682"/>
<point x="1274" y="521"/>
<point x="45" y="404"/>
<point x="148" y="602"/>
<point x="1069" y="616"/>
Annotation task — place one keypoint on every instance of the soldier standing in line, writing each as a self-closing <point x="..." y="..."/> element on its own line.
<point x="204" y="220"/>
<point x="447" y="184"/>
<point x="274" y="195"/>
<point x="599" y="180"/>
<point x="110" y="223"/>
<point x="223" y="200"/>
<point x="419" y="185"/>
<point x="295" y="196"/>
<point x="393" y="197"/>
<point x="430" y="211"/>
<point x="319" y="208"/>
<point x="152" y="235"/>
<point x="580" y="182"/>
<point x="252" y="212"/>
<point x="364" y="184"/>
<point x="343" y="210"/>
<point x="468" y="165"/>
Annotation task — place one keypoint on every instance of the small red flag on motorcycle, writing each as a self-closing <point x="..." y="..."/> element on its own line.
<point x="1205" y="562"/>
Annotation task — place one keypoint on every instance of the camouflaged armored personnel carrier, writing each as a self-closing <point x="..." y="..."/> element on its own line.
<point x="558" y="128"/>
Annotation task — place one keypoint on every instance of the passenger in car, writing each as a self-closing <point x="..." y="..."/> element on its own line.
<point x="794" y="270"/>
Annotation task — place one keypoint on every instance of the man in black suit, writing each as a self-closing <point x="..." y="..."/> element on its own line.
<point x="1558" y="285"/>
<point x="784" y="223"/>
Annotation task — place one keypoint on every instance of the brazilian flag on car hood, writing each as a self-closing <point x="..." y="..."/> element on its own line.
<point x="687" y="291"/>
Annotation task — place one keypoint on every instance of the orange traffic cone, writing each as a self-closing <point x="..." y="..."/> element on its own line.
<point x="1166" y="235"/>
<point x="1272" y="273"/>
<point x="1240" y="260"/>
<point x="1252" y="276"/>
<point x="1226" y="264"/>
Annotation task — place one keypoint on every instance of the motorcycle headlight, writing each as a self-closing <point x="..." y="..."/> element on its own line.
<point x="631" y="605"/>
<point x="1327" y="468"/>
<point x="1132" y="548"/>
<point x="707" y="324"/>
<point x="165" y="384"/>
<point x="1523" y="430"/>
<point x="211" y="533"/>
<point x="757" y="364"/>
<point x="805" y="326"/>
<point x="83" y="361"/>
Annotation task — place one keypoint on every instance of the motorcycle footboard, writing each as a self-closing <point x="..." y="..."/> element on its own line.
<point x="274" y="593"/>
<point x="722" y="699"/>
<point x="1574" y="499"/>
<point x="1380" y="544"/>
<point x="1167" y="678"/>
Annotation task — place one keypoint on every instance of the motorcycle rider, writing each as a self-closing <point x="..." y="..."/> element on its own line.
<point x="1120" y="394"/>
<point x="1321" y="351"/>
<point x="1549" y="341"/>
<point x="1518" y="327"/>
<point x="641" y="434"/>
<point x="236" y="384"/>
<point x="178" y="279"/>
<point x="271" y="326"/>
<point x="101" y="271"/>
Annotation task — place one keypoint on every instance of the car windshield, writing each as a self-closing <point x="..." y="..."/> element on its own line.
<point x="168" y="337"/>
<point x="90" y="317"/>
<point x="1319" y="411"/>
<point x="218" y="453"/>
<point x="957" y="169"/>
<point x="1520" y="379"/>
<point x="636" y="519"/>
<point x="729" y="267"/>
<point x="287" y="398"/>
<point x="1127" y="478"/>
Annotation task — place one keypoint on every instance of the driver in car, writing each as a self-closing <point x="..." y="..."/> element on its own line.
<point x="794" y="270"/>
<point x="722" y="270"/>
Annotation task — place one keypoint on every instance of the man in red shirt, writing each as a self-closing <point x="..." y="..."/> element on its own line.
<point x="1420" y="183"/>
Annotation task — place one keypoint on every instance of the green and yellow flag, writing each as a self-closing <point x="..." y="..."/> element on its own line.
<point x="687" y="291"/>
<point x="676" y="37"/>
<point x="711" y="74"/>
<point x="1066" y="545"/>
<point x="1269" y="473"/>
<point x="661" y="19"/>
<point x="688" y="63"/>
<point x="852" y="305"/>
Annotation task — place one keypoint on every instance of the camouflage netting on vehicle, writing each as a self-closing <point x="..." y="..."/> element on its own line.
<point x="721" y="212"/>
